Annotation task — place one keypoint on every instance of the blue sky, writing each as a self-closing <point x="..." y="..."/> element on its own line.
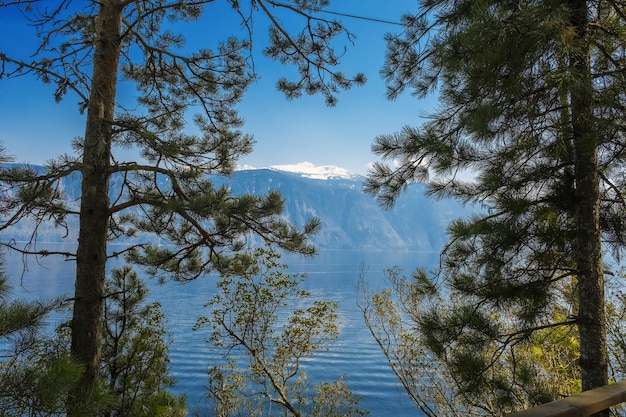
<point x="34" y="128"/>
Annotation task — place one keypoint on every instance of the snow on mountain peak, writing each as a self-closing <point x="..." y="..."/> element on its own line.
<point x="244" y="168"/>
<point x="309" y="170"/>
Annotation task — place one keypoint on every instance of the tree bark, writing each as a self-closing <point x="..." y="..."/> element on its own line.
<point x="591" y="315"/>
<point x="94" y="209"/>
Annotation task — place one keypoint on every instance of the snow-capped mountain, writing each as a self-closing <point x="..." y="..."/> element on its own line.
<point x="309" y="170"/>
<point x="350" y="219"/>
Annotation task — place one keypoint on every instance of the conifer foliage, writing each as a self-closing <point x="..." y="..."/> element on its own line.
<point x="36" y="373"/>
<point x="529" y="128"/>
<point x="135" y="351"/>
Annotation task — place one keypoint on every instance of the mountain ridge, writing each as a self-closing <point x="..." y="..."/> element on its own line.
<point x="351" y="220"/>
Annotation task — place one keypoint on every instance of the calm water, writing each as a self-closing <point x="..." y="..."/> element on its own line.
<point x="332" y="275"/>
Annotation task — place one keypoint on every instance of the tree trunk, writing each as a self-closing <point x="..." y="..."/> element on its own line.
<point x="591" y="315"/>
<point x="94" y="209"/>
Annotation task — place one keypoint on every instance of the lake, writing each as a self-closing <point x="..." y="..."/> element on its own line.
<point x="331" y="276"/>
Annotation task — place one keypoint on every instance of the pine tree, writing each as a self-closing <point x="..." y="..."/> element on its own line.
<point x="36" y="373"/>
<point x="86" y="48"/>
<point x="530" y="130"/>
<point x="135" y="351"/>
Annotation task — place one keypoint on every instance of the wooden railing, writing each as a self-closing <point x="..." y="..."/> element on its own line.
<point x="581" y="405"/>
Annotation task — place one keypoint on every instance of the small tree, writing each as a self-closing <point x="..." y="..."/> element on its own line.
<point x="135" y="361"/>
<point x="451" y="380"/>
<point x="36" y="373"/>
<point x="265" y="336"/>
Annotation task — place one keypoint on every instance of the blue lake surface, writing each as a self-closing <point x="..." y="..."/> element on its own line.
<point x="331" y="276"/>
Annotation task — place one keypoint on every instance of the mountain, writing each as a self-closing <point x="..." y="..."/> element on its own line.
<point x="350" y="219"/>
<point x="309" y="170"/>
